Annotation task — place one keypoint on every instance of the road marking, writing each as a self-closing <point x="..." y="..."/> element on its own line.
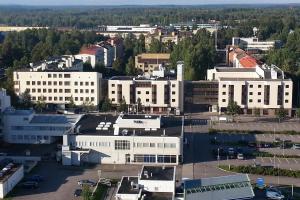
<point x="271" y="160"/>
<point x="287" y="161"/>
<point x="279" y="160"/>
<point x="261" y="159"/>
<point x="264" y="135"/>
<point x="295" y="160"/>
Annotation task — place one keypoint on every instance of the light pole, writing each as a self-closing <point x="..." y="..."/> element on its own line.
<point x="218" y="157"/>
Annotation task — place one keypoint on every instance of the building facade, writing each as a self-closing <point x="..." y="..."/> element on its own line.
<point x="60" y="87"/>
<point x="253" y="43"/>
<point x="155" y="94"/>
<point x="148" y="62"/>
<point x="126" y="139"/>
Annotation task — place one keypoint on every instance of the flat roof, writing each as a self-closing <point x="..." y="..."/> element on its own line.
<point x="126" y="116"/>
<point x="170" y="126"/>
<point x="157" y="173"/>
<point x="8" y="173"/>
<point x="143" y="78"/>
<point x="158" y="195"/>
<point x="54" y="119"/>
<point x="126" y="186"/>
<point x="252" y="79"/>
<point x="219" y="188"/>
<point x="233" y="69"/>
<point x="154" y="56"/>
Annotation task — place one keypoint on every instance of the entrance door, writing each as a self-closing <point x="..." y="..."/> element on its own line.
<point x="127" y="158"/>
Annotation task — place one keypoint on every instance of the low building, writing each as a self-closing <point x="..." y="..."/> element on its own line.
<point x="92" y="54"/>
<point x="253" y="43"/>
<point x="153" y="183"/>
<point x="157" y="94"/>
<point x="60" y="87"/>
<point x="126" y="139"/>
<point x="10" y="175"/>
<point x="233" y="187"/>
<point x="148" y="62"/>
<point x="26" y="127"/>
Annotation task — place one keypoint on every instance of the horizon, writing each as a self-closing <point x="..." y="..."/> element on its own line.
<point x="143" y="3"/>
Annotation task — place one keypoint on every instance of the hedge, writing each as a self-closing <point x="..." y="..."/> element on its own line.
<point x="216" y="131"/>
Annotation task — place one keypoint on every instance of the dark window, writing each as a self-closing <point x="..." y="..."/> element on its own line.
<point x="67" y="75"/>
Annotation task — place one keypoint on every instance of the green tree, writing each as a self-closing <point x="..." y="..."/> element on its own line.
<point x="87" y="67"/>
<point x="139" y="105"/>
<point x="298" y="113"/>
<point x="156" y="46"/>
<point x="233" y="108"/>
<point x="130" y="68"/>
<point x="106" y="105"/>
<point x="40" y="104"/>
<point x="123" y="106"/>
<point x="71" y="103"/>
<point x="87" y="106"/>
<point x="281" y="114"/>
<point x="25" y="100"/>
<point x="118" y="66"/>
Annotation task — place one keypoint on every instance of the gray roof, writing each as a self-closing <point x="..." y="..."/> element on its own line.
<point x="158" y="173"/>
<point x="126" y="187"/>
<point x="234" y="69"/>
<point x="219" y="188"/>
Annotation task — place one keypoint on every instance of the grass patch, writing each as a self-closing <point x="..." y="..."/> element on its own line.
<point x="100" y="192"/>
<point x="261" y="170"/>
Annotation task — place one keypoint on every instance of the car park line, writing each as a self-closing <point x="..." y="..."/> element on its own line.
<point x="279" y="160"/>
<point x="271" y="160"/>
<point x="295" y="160"/>
<point x="287" y="161"/>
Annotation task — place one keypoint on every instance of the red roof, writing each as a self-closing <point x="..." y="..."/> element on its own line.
<point x="92" y="50"/>
<point x="248" y="62"/>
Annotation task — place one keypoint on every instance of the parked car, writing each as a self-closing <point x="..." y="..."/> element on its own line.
<point x="87" y="182"/>
<point x="231" y="152"/>
<point x="274" y="193"/>
<point x="30" y="185"/>
<point x="77" y="192"/>
<point x="240" y="156"/>
<point x="35" y="178"/>
<point x="296" y="146"/>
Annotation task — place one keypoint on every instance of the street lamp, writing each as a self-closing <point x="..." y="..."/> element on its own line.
<point x="218" y="157"/>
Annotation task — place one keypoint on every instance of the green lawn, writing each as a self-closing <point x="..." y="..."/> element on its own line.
<point x="100" y="192"/>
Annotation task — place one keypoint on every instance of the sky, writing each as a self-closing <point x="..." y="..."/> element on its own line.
<point x="140" y="2"/>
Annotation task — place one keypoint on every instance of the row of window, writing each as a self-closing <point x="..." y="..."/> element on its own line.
<point x="113" y="100"/>
<point x="258" y="86"/>
<point x="173" y="85"/>
<point x="44" y="90"/>
<point x="153" y="145"/>
<point x="34" y="98"/>
<point x="258" y="101"/>
<point x="30" y="137"/>
<point x="258" y="93"/>
<point x="65" y="83"/>
<point x="39" y="128"/>
<point x="151" y="158"/>
<point x="59" y="75"/>
<point x="91" y="144"/>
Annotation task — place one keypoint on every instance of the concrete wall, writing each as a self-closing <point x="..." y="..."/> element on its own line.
<point x="11" y="182"/>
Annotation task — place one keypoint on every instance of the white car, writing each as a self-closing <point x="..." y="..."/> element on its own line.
<point x="274" y="193"/>
<point x="296" y="146"/>
<point x="240" y="156"/>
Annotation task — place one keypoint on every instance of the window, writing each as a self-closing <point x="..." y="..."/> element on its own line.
<point x="259" y="101"/>
<point x="49" y="75"/>
<point x="147" y="100"/>
<point x="39" y="90"/>
<point x="113" y="92"/>
<point x="250" y="100"/>
<point x="86" y="91"/>
<point x="76" y="91"/>
<point x="145" y="144"/>
<point x="33" y="98"/>
<point x="44" y="90"/>
<point x="60" y="90"/>
<point x="287" y="86"/>
<point x="173" y="100"/>
<point x="54" y="82"/>
<point x="122" y="145"/>
<point x="113" y="99"/>
<point x="259" y="93"/>
<point x="39" y="83"/>
<point x="49" y="83"/>
<point x="67" y="91"/>
<point x="166" y="158"/>
<point x="67" y="75"/>
<point x="147" y="92"/>
<point x="286" y="94"/>
<point x="250" y="93"/>
<point x="76" y="98"/>
<point x="60" y="98"/>
<point x="87" y="99"/>
<point x="223" y="100"/>
<point x="44" y="83"/>
<point x="55" y="98"/>
<point x="33" y="90"/>
<point x="33" y="83"/>
<point x="224" y="86"/>
<point x="76" y="83"/>
<point x="92" y="90"/>
<point x="81" y="83"/>
<point x="139" y="92"/>
<point x="224" y="93"/>
<point x="92" y="98"/>
<point x="259" y="86"/>
<point x="286" y="101"/>
<point x="81" y="98"/>
<point x="251" y="86"/>
<point x="87" y="83"/>
<point x="160" y="145"/>
<point x="173" y="85"/>
<point x="144" y="158"/>
<point x="112" y="85"/>
<point x="55" y="90"/>
<point x="67" y="83"/>
<point x="173" y="92"/>
<point x="60" y="75"/>
<point x="50" y="98"/>
<point x="81" y="90"/>
<point x="152" y="144"/>
<point x="27" y="82"/>
<point x="54" y="75"/>
<point x="92" y="83"/>
<point x="60" y="83"/>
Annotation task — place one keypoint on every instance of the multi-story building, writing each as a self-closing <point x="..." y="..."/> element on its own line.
<point x="117" y="44"/>
<point x="253" y="43"/>
<point x="91" y="54"/>
<point x="59" y="86"/>
<point x="113" y="31"/>
<point x="153" y="182"/>
<point x="4" y="104"/>
<point x="156" y="94"/>
<point x="148" y="62"/>
<point x="124" y="139"/>
<point x="26" y="127"/>
<point x="108" y="53"/>
<point x="263" y="87"/>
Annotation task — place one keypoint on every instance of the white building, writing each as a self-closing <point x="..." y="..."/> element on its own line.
<point x="113" y="31"/>
<point x="26" y="127"/>
<point x="10" y="175"/>
<point x="91" y="54"/>
<point x="126" y="139"/>
<point x="108" y="53"/>
<point x="60" y="87"/>
<point x="156" y="94"/>
<point x="263" y="87"/>
<point x="253" y="43"/>
<point x="152" y="183"/>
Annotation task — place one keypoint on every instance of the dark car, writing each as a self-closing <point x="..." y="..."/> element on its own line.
<point x="30" y="185"/>
<point x="77" y="192"/>
<point x="35" y="178"/>
<point x="87" y="182"/>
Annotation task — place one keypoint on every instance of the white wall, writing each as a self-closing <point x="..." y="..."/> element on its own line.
<point x="11" y="182"/>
